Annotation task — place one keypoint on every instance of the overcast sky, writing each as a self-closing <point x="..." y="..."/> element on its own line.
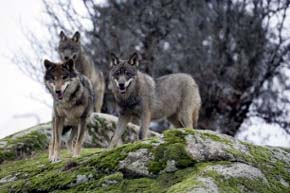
<point x="17" y="109"/>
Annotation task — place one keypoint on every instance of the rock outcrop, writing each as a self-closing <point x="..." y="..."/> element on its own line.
<point x="179" y="161"/>
<point x="100" y="130"/>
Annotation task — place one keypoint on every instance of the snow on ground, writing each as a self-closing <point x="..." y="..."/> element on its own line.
<point x="257" y="131"/>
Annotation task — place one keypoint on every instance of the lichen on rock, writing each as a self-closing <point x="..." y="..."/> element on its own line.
<point x="136" y="163"/>
<point x="179" y="161"/>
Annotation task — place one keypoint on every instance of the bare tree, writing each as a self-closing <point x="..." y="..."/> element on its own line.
<point x="232" y="48"/>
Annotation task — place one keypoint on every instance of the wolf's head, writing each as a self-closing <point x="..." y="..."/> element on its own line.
<point x="59" y="77"/>
<point x="123" y="73"/>
<point x="69" y="48"/>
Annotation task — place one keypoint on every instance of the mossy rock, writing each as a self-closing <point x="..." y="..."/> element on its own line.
<point x="100" y="130"/>
<point x="179" y="161"/>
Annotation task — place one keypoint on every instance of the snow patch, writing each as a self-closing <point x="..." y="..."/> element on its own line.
<point x="257" y="131"/>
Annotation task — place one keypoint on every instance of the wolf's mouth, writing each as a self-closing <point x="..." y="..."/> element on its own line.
<point x="122" y="90"/>
<point x="59" y="95"/>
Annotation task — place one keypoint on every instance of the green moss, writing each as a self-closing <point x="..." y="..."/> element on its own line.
<point x="41" y="175"/>
<point x="6" y="155"/>
<point x="173" y="148"/>
<point x="143" y="185"/>
<point x="36" y="174"/>
<point x="274" y="170"/>
<point x="237" y="154"/>
<point x="23" y="146"/>
<point x="110" y="179"/>
<point x="187" y="184"/>
<point x="238" y="184"/>
<point x="174" y="136"/>
<point x="165" y="152"/>
<point x="206" y="135"/>
<point x="109" y="160"/>
<point x="152" y="141"/>
<point x="259" y="153"/>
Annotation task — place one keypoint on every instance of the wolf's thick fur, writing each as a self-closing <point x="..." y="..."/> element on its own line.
<point x="73" y="102"/>
<point x="138" y="95"/>
<point x="70" y="48"/>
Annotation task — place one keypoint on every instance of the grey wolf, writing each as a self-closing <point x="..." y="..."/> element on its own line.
<point x="70" y="48"/>
<point x="140" y="97"/>
<point x="73" y="102"/>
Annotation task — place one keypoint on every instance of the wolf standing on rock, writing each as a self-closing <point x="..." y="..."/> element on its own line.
<point x="70" y="48"/>
<point x="73" y="102"/>
<point x="138" y="95"/>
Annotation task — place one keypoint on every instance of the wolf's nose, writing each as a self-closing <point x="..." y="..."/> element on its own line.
<point x="121" y="85"/>
<point x="66" y="58"/>
<point x="58" y="91"/>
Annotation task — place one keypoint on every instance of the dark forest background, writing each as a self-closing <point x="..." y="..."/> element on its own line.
<point x="237" y="51"/>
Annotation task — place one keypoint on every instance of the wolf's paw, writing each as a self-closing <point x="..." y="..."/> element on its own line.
<point x="70" y="147"/>
<point x="54" y="159"/>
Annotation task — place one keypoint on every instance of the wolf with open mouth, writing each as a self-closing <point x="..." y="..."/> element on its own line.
<point x="141" y="98"/>
<point x="74" y="101"/>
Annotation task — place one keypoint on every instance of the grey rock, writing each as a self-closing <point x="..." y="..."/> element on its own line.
<point x="7" y="179"/>
<point x="170" y="166"/>
<point x="238" y="170"/>
<point x="136" y="163"/>
<point x="107" y="183"/>
<point x="208" y="186"/>
<point x="81" y="179"/>
<point x="202" y="148"/>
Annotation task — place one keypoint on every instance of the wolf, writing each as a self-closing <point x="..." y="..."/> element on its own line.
<point x="70" y="48"/>
<point x="140" y="97"/>
<point x="73" y="102"/>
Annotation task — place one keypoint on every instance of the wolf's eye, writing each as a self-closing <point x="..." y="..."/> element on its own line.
<point x="128" y="73"/>
<point x="61" y="49"/>
<point x="117" y="73"/>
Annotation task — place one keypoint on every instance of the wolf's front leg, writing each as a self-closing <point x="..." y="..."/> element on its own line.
<point x="56" y="139"/>
<point x="80" y="137"/>
<point x="145" y="123"/>
<point x="72" y="138"/>
<point x="50" y="147"/>
<point x="52" y="140"/>
<point x="121" y="125"/>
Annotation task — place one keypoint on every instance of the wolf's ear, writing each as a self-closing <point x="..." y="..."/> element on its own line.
<point x="62" y="36"/>
<point x="76" y="37"/>
<point x="48" y="64"/>
<point x="70" y="65"/>
<point x="114" y="60"/>
<point x="133" y="60"/>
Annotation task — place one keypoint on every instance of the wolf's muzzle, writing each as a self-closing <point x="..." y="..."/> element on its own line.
<point x="59" y="94"/>
<point x="122" y="86"/>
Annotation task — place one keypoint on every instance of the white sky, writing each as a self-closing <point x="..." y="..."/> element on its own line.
<point x="15" y="87"/>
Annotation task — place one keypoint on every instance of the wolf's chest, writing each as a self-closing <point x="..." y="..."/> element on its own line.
<point x="72" y="114"/>
<point x="131" y="105"/>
